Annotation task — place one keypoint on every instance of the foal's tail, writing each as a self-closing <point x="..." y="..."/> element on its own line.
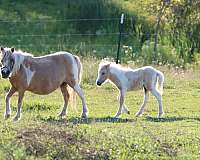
<point x="160" y="81"/>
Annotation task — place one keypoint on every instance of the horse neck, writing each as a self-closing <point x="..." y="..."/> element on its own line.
<point x="28" y="58"/>
<point x="114" y="75"/>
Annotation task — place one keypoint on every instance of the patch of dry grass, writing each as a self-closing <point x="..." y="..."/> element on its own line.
<point x="57" y="143"/>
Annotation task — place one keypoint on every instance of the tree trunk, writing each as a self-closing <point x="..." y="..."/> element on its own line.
<point x="159" y="16"/>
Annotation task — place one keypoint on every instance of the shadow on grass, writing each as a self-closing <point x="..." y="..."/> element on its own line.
<point x="78" y="120"/>
<point x="171" y="119"/>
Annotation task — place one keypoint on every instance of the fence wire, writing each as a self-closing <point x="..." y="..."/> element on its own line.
<point x="60" y="20"/>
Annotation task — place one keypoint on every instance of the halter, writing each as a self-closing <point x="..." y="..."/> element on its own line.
<point x="9" y="68"/>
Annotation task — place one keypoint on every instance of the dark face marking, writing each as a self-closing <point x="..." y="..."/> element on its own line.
<point x="7" y="63"/>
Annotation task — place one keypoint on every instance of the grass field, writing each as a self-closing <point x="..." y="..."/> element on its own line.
<point x="40" y="134"/>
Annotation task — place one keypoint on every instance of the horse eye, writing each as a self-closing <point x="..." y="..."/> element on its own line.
<point x="12" y="60"/>
<point x="103" y="73"/>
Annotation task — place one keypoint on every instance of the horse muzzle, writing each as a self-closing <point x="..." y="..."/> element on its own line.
<point x="99" y="83"/>
<point x="5" y="72"/>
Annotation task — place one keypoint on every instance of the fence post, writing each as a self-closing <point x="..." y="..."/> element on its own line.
<point x="120" y="35"/>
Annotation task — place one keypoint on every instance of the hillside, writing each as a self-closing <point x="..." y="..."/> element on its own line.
<point x="50" y="25"/>
<point x="89" y="27"/>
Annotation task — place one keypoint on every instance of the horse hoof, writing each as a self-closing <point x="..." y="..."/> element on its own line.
<point x="160" y="115"/>
<point x="116" y="116"/>
<point x="61" y="115"/>
<point x="138" y="114"/>
<point x="6" y="116"/>
<point x="84" y="115"/>
<point x="16" y="119"/>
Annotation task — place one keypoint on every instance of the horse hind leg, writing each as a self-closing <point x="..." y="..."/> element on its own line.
<point x="65" y="94"/>
<point x="80" y="93"/>
<point x="158" y="96"/>
<point x="146" y="97"/>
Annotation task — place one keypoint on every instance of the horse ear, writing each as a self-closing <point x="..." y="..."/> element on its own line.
<point x="2" y="49"/>
<point x="12" y="49"/>
<point x="108" y="65"/>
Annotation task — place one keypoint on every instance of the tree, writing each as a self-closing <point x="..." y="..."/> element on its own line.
<point x="163" y="5"/>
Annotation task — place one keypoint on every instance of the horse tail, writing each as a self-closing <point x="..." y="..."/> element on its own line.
<point x="72" y="97"/>
<point x="72" y="93"/>
<point x="160" y="81"/>
<point x="80" y="68"/>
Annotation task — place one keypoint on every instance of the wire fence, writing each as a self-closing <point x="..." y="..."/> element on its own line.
<point x="59" y="35"/>
<point x="41" y="39"/>
<point x="114" y="20"/>
<point x="60" y="20"/>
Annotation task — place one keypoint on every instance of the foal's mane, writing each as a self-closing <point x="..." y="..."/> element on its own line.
<point x="113" y="64"/>
<point x="104" y="63"/>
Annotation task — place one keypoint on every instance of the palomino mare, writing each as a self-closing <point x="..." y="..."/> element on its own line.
<point x="41" y="75"/>
<point x="127" y="79"/>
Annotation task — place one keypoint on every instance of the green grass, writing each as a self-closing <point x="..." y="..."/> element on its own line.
<point x="40" y="134"/>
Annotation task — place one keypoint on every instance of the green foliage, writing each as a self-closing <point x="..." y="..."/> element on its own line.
<point x="165" y="55"/>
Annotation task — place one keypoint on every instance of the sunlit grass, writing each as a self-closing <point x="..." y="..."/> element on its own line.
<point x="41" y="134"/>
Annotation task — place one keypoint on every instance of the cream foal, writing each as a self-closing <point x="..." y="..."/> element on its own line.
<point x="127" y="79"/>
<point x="41" y="75"/>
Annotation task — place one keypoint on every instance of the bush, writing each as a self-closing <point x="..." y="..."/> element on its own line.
<point x="166" y="54"/>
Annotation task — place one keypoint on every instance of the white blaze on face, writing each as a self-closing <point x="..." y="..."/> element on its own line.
<point x="29" y="74"/>
<point x="99" y="72"/>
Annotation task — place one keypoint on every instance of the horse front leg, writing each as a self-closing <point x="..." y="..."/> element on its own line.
<point x="8" y="96"/>
<point x="121" y="103"/>
<point x="19" y="106"/>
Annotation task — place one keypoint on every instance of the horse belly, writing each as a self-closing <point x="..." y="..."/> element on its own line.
<point x="43" y="91"/>
<point x="136" y="84"/>
<point x="44" y="86"/>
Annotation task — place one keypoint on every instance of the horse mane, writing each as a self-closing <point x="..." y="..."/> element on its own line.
<point x="23" y="53"/>
<point x="19" y="57"/>
<point x="104" y="62"/>
<point x="113" y="64"/>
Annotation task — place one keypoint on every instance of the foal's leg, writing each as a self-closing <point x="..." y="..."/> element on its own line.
<point x="65" y="94"/>
<point x="125" y="110"/>
<point x="8" y="96"/>
<point x="79" y="91"/>
<point x="146" y="97"/>
<point x="121" y="103"/>
<point x="159" y="99"/>
<point x="19" y="106"/>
